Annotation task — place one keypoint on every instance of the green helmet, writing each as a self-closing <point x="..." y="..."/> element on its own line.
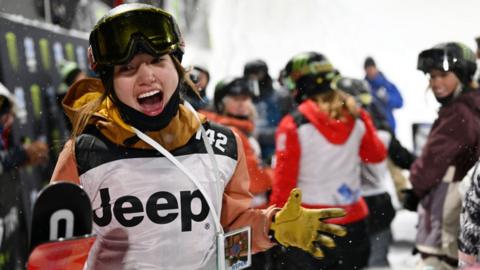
<point x="451" y="56"/>
<point x="68" y="71"/>
<point x="129" y="28"/>
<point x="309" y="73"/>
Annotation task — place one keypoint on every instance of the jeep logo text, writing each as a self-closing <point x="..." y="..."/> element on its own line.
<point x="156" y="203"/>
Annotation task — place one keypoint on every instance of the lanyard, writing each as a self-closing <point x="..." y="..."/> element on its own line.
<point x="169" y="156"/>
<point x="186" y="171"/>
<point x="208" y="146"/>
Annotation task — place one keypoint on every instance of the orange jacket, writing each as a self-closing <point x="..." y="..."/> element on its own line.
<point x="236" y="198"/>
<point x="260" y="176"/>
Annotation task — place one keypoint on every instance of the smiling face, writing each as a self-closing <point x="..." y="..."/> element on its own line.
<point x="146" y="83"/>
<point x="443" y="83"/>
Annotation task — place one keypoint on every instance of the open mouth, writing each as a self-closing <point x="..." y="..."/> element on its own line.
<point x="151" y="102"/>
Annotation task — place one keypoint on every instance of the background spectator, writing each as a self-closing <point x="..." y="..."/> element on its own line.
<point x="377" y="184"/>
<point x="271" y="105"/>
<point x="383" y="90"/>
<point x="452" y="148"/>
<point x="200" y="77"/>
<point x="319" y="147"/>
<point x="13" y="227"/>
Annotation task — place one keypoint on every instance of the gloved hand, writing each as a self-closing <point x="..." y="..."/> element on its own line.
<point x="365" y="99"/>
<point x="301" y="228"/>
<point x="410" y="200"/>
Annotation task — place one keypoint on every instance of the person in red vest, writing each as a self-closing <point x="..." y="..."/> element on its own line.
<point x="319" y="148"/>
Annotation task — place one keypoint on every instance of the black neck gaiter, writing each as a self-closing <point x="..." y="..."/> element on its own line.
<point x="240" y="117"/>
<point x="446" y="100"/>
<point x="149" y="123"/>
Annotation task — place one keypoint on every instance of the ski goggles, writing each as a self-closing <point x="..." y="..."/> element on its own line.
<point x="436" y="59"/>
<point x="116" y="40"/>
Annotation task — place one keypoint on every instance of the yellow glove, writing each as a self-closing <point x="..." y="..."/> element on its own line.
<point x="300" y="227"/>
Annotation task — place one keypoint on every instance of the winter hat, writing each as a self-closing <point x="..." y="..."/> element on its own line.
<point x="369" y="62"/>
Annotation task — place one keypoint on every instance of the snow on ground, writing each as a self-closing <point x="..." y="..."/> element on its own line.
<point x="403" y="228"/>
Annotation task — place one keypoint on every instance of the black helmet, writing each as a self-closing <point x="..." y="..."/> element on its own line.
<point x="128" y="28"/>
<point x="353" y="87"/>
<point x="255" y="67"/>
<point x="231" y="87"/>
<point x="359" y="89"/>
<point x="451" y="56"/>
<point x="309" y="73"/>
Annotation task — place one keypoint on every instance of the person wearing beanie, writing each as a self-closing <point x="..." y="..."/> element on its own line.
<point x="165" y="184"/>
<point x="383" y="91"/>
<point x="369" y="62"/>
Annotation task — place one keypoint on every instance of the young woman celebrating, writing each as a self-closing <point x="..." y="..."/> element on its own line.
<point x="164" y="183"/>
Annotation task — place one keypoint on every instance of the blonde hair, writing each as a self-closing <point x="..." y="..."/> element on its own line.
<point x="82" y="117"/>
<point x="335" y="103"/>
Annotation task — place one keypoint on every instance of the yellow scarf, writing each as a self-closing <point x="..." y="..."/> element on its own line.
<point x="108" y="121"/>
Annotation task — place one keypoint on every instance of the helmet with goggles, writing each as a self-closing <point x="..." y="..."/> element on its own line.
<point x="129" y="28"/>
<point x="451" y="56"/>
<point x="309" y="73"/>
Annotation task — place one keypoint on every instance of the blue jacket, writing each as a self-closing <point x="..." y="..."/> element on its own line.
<point x="386" y="94"/>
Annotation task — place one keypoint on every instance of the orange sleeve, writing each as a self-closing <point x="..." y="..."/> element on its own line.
<point x="260" y="177"/>
<point x="236" y="201"/>
<point x="66" y="167"/>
